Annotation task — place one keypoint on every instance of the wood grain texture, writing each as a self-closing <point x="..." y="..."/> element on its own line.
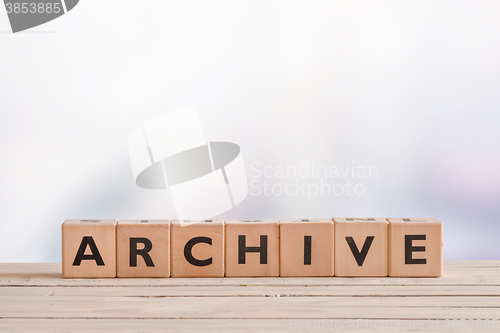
<point x="252" y="231"/>
<point x="430" y="248"/>
<point x="208" y="250"/>
<point x="35" y="297"/>
<point x="306" y="248"/>
<point x="97" y="233"/>
<point x="157" y="234"/>
<point x="351" y="235"/>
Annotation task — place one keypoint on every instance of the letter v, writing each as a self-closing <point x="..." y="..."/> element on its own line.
<point x="360" y="256"/>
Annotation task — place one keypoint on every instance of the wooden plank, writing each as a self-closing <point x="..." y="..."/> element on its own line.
<point x="210" y="325"/>
<point x="250" y="307"/>
<point x="238" y="291"/>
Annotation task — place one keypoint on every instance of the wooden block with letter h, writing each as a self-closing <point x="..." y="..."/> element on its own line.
<point x="306" y="247"/>
<point x="252" y="248"/>
<point x="361" y="246"/>
<point x="89" y="249"/>
<point x="143" y="248"/>
<point x="197" y="248"/>
<point x="415" y="247"/>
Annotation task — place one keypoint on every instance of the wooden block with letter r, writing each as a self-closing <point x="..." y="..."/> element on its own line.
<point x="306" y="247"/>
<point x="415" y="247"/>
<point x="252" y="248"/>
<point x="361" y="246"/>
<point x="89" y="248"/>
<point x="197" y="248"/>
<point x="143" y="248"/>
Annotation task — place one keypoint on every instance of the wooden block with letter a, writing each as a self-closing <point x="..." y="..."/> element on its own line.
<point x="252" y="248"/>
<point x="415" y="247"/>
<point x="143" y="248"/>
<point x="306" y="247"/>
<point x="361" y="246"/>
<point x="88" y="248"/>
<point x="197" y="248"/>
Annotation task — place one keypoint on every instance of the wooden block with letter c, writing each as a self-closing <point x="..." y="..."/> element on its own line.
<point x="197" y="248"/>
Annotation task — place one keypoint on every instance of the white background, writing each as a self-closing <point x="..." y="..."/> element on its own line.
<point x="410" y="87"/>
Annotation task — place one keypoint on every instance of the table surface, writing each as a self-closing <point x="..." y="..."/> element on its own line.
<point x="34" y="297"/>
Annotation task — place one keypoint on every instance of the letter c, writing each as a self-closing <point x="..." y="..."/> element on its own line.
<point x="189" y="255"/>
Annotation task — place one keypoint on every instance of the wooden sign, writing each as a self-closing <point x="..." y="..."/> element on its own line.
<point x="362" y="247"/>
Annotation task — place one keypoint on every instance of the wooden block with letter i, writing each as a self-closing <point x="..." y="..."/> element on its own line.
<point x="252" y="248"/>
<point x="306" y="247"/>
<point x="415" y="247"/>
<point x="361" y="246"/>
<point x="143" y="248"/>
<point x="88" y="249"/>
<point x="197" y="248"/>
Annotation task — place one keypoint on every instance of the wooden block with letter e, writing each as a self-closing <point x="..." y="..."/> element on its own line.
<point x="197" y="248"/>
<point x="306" y="247"/>
<point x="361" y="246"/>
<point x="143" y="248"/>
<point x="415" y="247"/>
<point x="252" y="248"/>
<point x="88" y="248"/>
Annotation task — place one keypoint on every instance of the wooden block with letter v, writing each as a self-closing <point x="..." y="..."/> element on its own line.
<point x="143" y="248"/>
<point x="306" y="247"/>
<point x="197" y="248"/>
<point x="252" y="248"/>
<point x="89" y="249"/>
<point x="361" y="246"/>
<point x="415" y="247"/>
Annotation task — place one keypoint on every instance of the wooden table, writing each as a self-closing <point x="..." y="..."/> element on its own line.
<point x="34" y="297"/>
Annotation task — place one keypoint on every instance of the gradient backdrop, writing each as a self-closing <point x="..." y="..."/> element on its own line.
<point x="412" y="88"/>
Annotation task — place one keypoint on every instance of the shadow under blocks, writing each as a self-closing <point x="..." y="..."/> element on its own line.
<point x="340" y="246"/>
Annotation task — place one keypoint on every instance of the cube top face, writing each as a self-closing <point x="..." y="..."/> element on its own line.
<point x="361" y="248"/>
<point x="306" y="248"/>
<point x="197" y="249"/>
<point x="252" y="248"/>
<point x="144" y="222"/>
<point x="426" y="220"/>
<point x="89" y="222"/>
<point x="143" y="248"/>
<point x="415" y="247"/>
<point x="306" y="221"/>
<point x="88" y="248"/>
<point x="186" y="223"/>
<point x="359" y="219"/>
<point x="250" y="221"/>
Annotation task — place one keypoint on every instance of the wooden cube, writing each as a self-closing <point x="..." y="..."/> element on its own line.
<point x="197" y="248"/>
<point x="361" y="246"/>
<point x="415" y="247"/>
<point x="306" y="247"/>
<point x="252" y="248"/>
<point x="88" y="249"/>
<point x="143" y="248"/>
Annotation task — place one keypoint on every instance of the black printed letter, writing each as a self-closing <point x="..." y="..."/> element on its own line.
<point x="243" y="249"/>
<point x="189" y="255"/>
<point x="144" y="252"/>
<point x="88" y="240"/>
